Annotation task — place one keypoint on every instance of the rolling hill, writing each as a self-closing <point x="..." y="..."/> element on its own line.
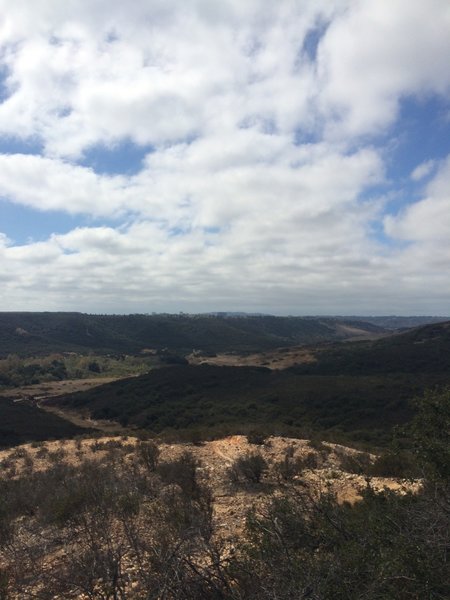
<point x="43" y="333"/>
<point x="355" y="391"/>
<point x="423" y="350"/>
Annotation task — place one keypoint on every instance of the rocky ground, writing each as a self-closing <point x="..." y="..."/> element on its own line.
<point x="328" y="468"/>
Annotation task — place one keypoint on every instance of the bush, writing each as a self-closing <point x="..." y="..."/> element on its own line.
<point x="394" y="464"/>
<point x="289" y="466"/>
<point x="360" y="463"/>
<point x="148" y="453"/>
<point x="316" y="444"/>
<point x="57" y="455"/>
<point x="249" y="468"/>
<point x="310" y="461"/>
<point x="181" y="471"/>
<point x="256" y="437"/>
<point x="42" y="452"/>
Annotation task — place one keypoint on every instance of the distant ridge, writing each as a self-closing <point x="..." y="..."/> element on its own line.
<point x="421" y="350"/>
<point x="395" y="322"/>
<point x="28" y="333"/>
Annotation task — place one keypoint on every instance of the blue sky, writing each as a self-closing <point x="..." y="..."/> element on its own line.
<point x="212" y="156"/>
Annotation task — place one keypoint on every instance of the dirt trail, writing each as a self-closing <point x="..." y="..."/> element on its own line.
<point x="107" y="427"/>
<point x="234" y="442"/>
<point x="36" y="394"/>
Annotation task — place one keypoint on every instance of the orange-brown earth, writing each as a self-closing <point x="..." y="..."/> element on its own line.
<point x="281" y="358"/>
<point x="231" y="503"/>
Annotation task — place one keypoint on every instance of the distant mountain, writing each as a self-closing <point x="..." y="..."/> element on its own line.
<point x="42" y="333"/>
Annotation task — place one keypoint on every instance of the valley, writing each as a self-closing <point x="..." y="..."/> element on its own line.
<point x="181" y="470"/>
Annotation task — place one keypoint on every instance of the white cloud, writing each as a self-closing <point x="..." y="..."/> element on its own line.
<point x="165" y="74"/>
<point x="159" y="72"/>
<point x="46" y="184"/>
<point x="423" y="170"/>
<point x="429" y="219"/>
<point x="375" y="54"/>
<point x="256" y="192"/>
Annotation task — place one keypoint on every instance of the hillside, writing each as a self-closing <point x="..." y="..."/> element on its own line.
<point x="21" y="422"/>
<point x="394" y="322"/>
<point x="423" y="350"/>
<point x="113" y="514"/>
<point x="43" y="333"/>
<point x="210" y="401"/>
<point x="356" y="391"/>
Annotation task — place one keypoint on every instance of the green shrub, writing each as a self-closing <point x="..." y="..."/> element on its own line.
<point x="148" y="453"/>
<point x="316" y="444"/>
<point x="256" y="437"/>
<point x="394" y="464"/>
<point x="248" y="468"/>
<point x="181" y="471"/>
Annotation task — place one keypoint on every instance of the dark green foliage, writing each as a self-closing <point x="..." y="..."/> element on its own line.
<point x="4" y="579"/>
<point x="395" y="463"/>
<point x="256" y="437"/>
<point x="430" y="432"/>
<point x="222" y="400"/>
<point x="16" y="372"/>
<point x="355" y="393"/>
<point x="316" y="444"/>
<point x="424" y="350"/>
<point x="20" y="422"/>
<point x="384" y="547"/>
<point x="42" y="333"/>
<point x="394" y="322"/>
<point x="94" y="367"/>
<point x="300" y="545"/>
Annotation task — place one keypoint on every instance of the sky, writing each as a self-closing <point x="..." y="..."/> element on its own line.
<point x="288" y="157"/>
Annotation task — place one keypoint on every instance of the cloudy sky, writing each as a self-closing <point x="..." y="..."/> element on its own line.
<point x="290" y="157"/>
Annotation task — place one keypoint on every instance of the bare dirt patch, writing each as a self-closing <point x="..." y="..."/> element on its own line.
<point x="231" y="502"/>
<point x="281" y="358"/>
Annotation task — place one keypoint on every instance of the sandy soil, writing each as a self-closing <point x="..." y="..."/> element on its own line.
<point x="231" y="502"/>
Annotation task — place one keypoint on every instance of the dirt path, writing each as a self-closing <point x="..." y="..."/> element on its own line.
<point x="107" y="427"/>
<point x="38" y="393"/>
